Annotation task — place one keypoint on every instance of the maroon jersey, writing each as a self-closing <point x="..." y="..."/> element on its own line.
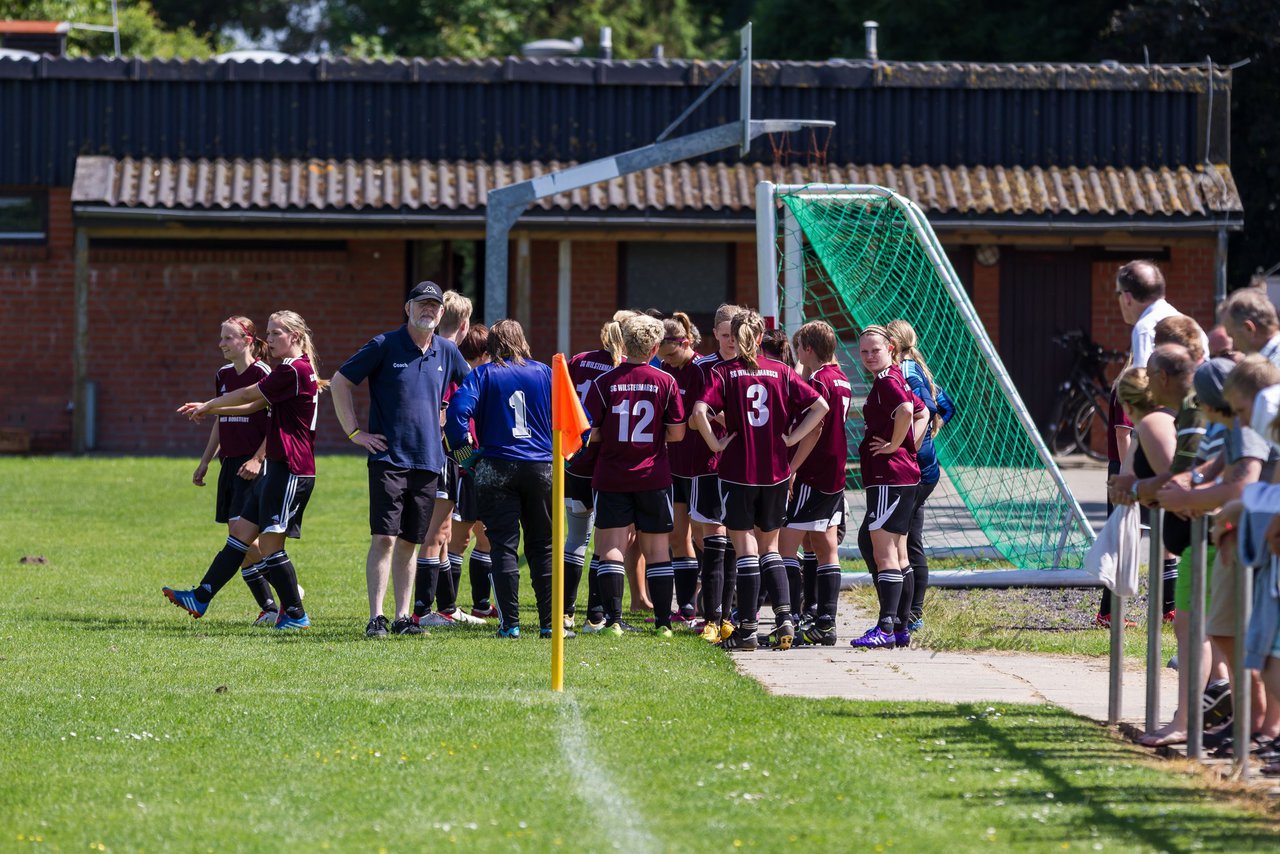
<point x="759" y="405"/>
<point x="823" y="469"/>
<point x="701" y="460"/>
<point x="888" y="392"/>
<point x="684" y="455"/>
<point x="292" y="390"/>
<point x="584" y="368"/>
<point x="631" y="406"/>
<point x="240" y="435"/>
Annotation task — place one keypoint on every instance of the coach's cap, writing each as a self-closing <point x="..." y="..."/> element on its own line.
<point x="426" y="290"/>
<point x="1208" y="383"/>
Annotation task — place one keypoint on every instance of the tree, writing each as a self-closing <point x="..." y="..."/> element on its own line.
<point x="141" y="31"/>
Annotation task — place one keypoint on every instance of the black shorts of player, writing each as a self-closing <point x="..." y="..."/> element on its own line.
<point x="233" y="490"/>
<point x="681" y="489"/>
<point x="706" y="504"/>
<point x="465" y="506"/>
<point x="278" y="499"/>
<point x="889" y="508"/>
<point x="447" y="485"/>
<point x="747" y="507"/>
<point x="578" y="494"/>
<point x="401" y="501"/>
<point x="649" y="510"/>
<point x="812" y="510"/>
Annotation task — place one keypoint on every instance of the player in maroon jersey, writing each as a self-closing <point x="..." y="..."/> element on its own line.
<point x="281" y="493"/>
<point x="759" y="398"/>
<point x="635" y="410"/>
<point x="890" y="473"/>
<point x="679" y="354"/>
<point x="239" y="442"/>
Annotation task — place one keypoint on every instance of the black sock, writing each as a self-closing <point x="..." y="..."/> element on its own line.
<point x="686" y="583"/>
<point x="505" y="579"/>
<point x="611" y="578"/>
<point x="258" y="585"/>
<point x="455" y="569"/>
<point x="572" y="578"/>
<point x="1170" y="582"/>
<point x="661" y="579"/>
<point x="446" y="592"/>
<point x="809" y="570"/>
<point x="795" y="583"/>
<point x="889" y="588"/>
<point x="866" y="549"/>
<point x="698" y="605"/>
<point x="730" y="580"/>
<point x="713" y="549"/>
<point x="904" y="600"/>
<point x="424" y="585"/>
<point x="221" y="570"/>
<point x="922" y="584"/>
<point x="748" y="587"/>
<point x="828" y="582"/>
<point x="285" y="580"/>
<point x="595" y="601"/>
<point x="479" y="568"/>
<point x="1104" y="604"/>
<point x="773" y="575"/>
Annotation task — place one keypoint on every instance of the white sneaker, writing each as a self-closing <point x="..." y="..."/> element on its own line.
<point x="435" y="618"/>
<point x="461" y="618"/>
<point x="590" y="628"/>
<point x="568" y="622"/>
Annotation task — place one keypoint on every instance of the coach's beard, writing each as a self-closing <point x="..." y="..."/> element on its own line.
<point x="424" y="324"/>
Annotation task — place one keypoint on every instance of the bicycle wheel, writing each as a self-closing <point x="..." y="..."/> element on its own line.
<point x="1060" y="435"/>
<point x="1084" y="418"/>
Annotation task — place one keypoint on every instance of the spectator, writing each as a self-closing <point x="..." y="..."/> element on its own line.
<point x="1250" y="319"/>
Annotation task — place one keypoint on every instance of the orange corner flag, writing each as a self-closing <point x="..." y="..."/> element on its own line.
<point x="567" y="417"/>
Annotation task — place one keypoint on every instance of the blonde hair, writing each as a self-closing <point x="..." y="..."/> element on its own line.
<point x="292" y="322"/>
<point x="902" y="336"/>
<point x="726" y="311"/>
<point x="747" y="329"/>
<point x="877" y="329"/>
<point x="611" y="336"/>
<point x="1251" y="376"/>
<point x="640" y="334"/>
<point x="679" y="325"/>
<point x="257" y="346"/>
<point x="1133" y="388"/>
<point x="507" y="343"/>
<point x="819" y="337"/>
<point x="457" y="313"/>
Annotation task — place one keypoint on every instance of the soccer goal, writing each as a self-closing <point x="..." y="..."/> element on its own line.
<point x="854" y="255"/>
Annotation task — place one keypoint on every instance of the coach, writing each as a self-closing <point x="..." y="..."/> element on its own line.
<point x="408" y="370"/>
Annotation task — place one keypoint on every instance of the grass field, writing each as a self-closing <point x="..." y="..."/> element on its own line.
<point x="128" y="726"/>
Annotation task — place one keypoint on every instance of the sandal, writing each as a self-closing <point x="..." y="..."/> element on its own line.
<point x="1257" y="743"/>
<point x="1152" y="739"/>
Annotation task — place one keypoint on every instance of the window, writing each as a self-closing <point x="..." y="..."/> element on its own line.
<point x="455" y="265"/>
<point x="23" y="218"/>
<point x="690" y="277"/>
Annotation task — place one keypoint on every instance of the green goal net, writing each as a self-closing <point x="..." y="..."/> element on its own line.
<point x="858" y="256"/>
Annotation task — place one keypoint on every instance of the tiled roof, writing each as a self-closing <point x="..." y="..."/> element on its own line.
<point x="404" y="186"/>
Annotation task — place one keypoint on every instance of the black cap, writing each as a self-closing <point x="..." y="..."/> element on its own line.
<point x="426" y="290"/>
<point x="1208" y="382"/>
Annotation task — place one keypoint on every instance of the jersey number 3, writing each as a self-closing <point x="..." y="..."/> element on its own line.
<point x="643" y="411"/>
<point x="758" y="397"/>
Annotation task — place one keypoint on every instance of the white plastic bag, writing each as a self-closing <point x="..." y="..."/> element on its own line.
<point x="1116" y="552"/>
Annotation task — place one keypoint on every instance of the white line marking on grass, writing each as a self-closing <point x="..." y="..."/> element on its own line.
<point x="621" y="820"/>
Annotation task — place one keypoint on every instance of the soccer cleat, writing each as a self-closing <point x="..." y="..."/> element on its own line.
<point x="593" y="628"/>
<point x="1168" y="615"/>
<point x="287" y="623"/>
<point x="545" y="632"/>
<point x="874" y="639"/>
<point x="614" y="629"/>
<point x="741" y="641"/>
<point x="513" y="633"/>
<point x="726" y="629"/>
<point x="377" y="627"/>
<point x="710" y="633"/>
<point x="266" y="619"/>
<point x="187" y="601"/>
<point x="1103" y="621"/>
<point x="459" y="617"/>
<point x="406" y="626"/>
<point x="435" y="618"/>
<point x="626" y="627"/>
<point x="813" y="635"/>
<point x="490" y="613"/>
<point x="783" y="637"/>
<point x="568" y="622"/>
<point x="902" y="639"/>
<point x="664" y="631"/>
<point x="915" y="624"/>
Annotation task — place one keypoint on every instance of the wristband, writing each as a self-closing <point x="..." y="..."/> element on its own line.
<point x="353" y="433"/>
<point x="1133" y="490"/>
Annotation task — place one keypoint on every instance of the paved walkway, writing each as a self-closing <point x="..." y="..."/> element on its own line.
<point x="1076" y="683"/>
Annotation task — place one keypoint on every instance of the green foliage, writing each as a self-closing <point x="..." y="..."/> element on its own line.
<point x="141" y="31"/>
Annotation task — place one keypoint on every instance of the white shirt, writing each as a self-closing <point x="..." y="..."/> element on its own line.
<point x="1143" y="339"/>
<point x="1272" y="351"/>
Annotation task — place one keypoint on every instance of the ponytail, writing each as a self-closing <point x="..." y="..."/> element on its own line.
<point x="902" y="335"/>
<point x="292" y="322"/>
<point x="681" y="324"/>
<point x="611" y="340"/>
<point x="747" y="328"/>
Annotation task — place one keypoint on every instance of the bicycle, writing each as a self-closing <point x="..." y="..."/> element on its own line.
<point x="1082" y="399"/>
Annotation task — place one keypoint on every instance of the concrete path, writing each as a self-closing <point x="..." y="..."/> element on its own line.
<point x="1075" y="683"/>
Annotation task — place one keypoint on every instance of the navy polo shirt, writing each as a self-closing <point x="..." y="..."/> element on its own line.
<point x="405" y="389"/>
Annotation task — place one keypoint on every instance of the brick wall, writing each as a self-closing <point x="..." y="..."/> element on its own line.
<point x="595" y="291"/>
<point x="986" y="298"/>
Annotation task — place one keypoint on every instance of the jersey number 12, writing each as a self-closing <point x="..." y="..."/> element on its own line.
<point x="643" y="410"/>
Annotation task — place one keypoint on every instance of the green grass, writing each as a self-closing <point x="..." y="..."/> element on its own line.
<point x="128" y="726"/>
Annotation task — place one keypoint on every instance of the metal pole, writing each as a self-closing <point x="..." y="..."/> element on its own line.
<point x="767" y="253"/>
<point x="80" y="346"/>
<point x="1155" y="619"/>
<point x="1192" y="657"/>
<point x="1241" y="679"/>
<point x="1115" y="692"/>
<point x="792" y="272"/>
<point x="564" y="287"/>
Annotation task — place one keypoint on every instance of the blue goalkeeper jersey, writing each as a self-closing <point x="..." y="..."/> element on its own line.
<point x="511" y="407"/>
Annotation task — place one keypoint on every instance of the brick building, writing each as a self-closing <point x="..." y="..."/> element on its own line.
<point x="194" y="190"/>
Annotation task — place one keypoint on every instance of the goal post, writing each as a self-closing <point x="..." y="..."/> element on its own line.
<point x="855" y="255"/>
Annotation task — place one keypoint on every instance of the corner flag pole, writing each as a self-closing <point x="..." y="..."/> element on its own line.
<point x="568" y="423"/>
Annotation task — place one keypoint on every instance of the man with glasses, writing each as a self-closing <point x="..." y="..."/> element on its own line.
<point x="408" y="370"/>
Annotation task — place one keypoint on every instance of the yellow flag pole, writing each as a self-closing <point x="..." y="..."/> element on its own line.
<point x="557" y="561"/>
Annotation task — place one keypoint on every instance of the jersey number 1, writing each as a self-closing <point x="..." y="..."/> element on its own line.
<point x="516" y="402"/>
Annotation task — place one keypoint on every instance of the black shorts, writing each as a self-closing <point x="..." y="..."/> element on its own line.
<point x="465" y="506"/>
<point x="579" y="497"/>
<point x="447" y="488"/>
<point x="749" y="507"/>
<point x="889" y="508"/>
<point x="649" y="510"/>
<point x="706" y="504"/>
<point x="811" y="510"/>
<point x="401" y="501"/>
<point x="233" y="490"/>
<point x="681" y="489"/>
<point x="278" y="499"/>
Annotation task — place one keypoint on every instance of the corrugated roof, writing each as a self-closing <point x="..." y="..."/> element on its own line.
<point x="403" y="185"/>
